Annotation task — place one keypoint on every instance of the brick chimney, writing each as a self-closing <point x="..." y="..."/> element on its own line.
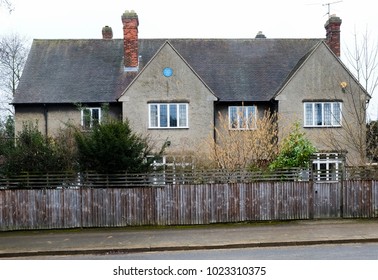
<point x="130" y="40"/>
<point x="332" y="27"/>
<point x="107" y="33"/>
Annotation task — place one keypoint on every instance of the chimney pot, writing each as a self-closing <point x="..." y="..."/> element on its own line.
<point x="107" y="33"/>
<point x="260" y="35"/>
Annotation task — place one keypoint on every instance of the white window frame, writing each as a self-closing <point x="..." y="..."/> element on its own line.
<point x="327" y="160"/>
<point x="182" y="121"/>
<point x="90" y="109"/>
<point x="242" y="113"/>
<point x="326" y="120"/>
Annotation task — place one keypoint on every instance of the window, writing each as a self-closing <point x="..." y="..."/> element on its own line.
<point x="90" y="117"/>
<point x="168" y="115"/>
<point x="242" y="117"/>
<point x="322" y="114"/>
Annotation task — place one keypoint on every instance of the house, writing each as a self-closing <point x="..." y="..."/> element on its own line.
<point x="174" y="89"/>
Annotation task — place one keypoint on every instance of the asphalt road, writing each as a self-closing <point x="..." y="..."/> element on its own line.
<point x="358" y="251"/>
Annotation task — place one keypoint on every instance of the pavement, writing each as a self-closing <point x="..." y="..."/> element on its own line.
<point x="171" y="238"/>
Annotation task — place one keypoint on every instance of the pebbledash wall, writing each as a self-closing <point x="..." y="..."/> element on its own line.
<point x="22" y="209"/>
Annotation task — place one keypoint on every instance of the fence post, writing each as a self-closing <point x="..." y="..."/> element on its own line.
<point x="343" y="173"/>
<point x="311" y="194"/>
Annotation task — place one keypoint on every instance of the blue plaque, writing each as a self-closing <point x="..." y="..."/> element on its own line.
<point x="167" y="71"/>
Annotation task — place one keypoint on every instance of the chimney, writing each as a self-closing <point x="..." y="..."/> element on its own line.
<point x="260" y="35"/>
<point x="130" y="40"/>
<point x="332" y="27"/>
<point x="107" y="33"/>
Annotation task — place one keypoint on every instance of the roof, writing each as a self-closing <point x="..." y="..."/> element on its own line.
<point x="84" y="71"/>
<point x="72" y="71"/>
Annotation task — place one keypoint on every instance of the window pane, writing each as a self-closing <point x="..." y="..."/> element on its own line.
<point x="327" y="114"/>
<point x="309" y="114"/>
<point x="95" y="117"/>
<point x="182" y="115"/>
<point x="243" y="117"/>
<point x="154" y="115"/>
<point x="336" y="114"/>
<point x="233" y="116"/>
<point x="251" y="117"/>
<point x="163" y="115"/>
<point x="86" y="118"/>
<point x="318" y="114"/>
<point x="173" y="115"/>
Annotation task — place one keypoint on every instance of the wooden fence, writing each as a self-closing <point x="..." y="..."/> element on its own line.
<point x="179" y="204"/>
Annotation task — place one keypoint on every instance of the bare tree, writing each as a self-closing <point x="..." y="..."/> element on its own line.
<point x="252" y="146"/>
<point x="13" y="54"/>
<point x="362" y="61"/>
<point x="7" y="4"/>
<point x="350" y="136"/>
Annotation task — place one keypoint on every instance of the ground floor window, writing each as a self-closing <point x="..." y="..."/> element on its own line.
<point x="242" y="117"/>
<point x="90" y="117"/>
<point x="327" y="167"/>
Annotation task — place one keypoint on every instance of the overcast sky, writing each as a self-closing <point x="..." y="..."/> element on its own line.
<point x="76" y="19"/>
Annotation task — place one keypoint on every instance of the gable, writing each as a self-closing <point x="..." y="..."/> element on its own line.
<point x="154" y="85"/>
<point x="319" y="77"/>
<point x="183" y="89"/>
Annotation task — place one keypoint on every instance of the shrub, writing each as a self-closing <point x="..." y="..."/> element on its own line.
<point x="6" y="137"/>
<point x="248" y="148"/>
<point x="295" y="150"/>
<point x="112" y="147"/>
<point x="32" y="152"/>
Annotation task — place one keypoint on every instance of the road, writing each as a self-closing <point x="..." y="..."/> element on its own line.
<point x="363" y="251"/>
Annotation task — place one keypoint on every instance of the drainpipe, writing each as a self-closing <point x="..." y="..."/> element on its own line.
<point x="214" y="122"/>
<point x="45" y="114"/>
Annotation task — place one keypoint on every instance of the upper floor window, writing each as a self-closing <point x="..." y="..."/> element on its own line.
<point x="90" y="117"/>
<point x="322" y="114"/>
<point x="242" y="117"/>
<point x="168" y="115"/>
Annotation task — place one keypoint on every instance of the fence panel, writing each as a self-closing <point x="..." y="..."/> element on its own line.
<point x="375" y="199"/>
<point x="359" y="199"/>
<point x="327" y="200"/>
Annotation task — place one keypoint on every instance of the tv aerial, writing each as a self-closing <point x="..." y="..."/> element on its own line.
<point x="329" y="6"/>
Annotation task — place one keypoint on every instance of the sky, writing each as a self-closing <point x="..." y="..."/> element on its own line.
<point x="83" y="19"/>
